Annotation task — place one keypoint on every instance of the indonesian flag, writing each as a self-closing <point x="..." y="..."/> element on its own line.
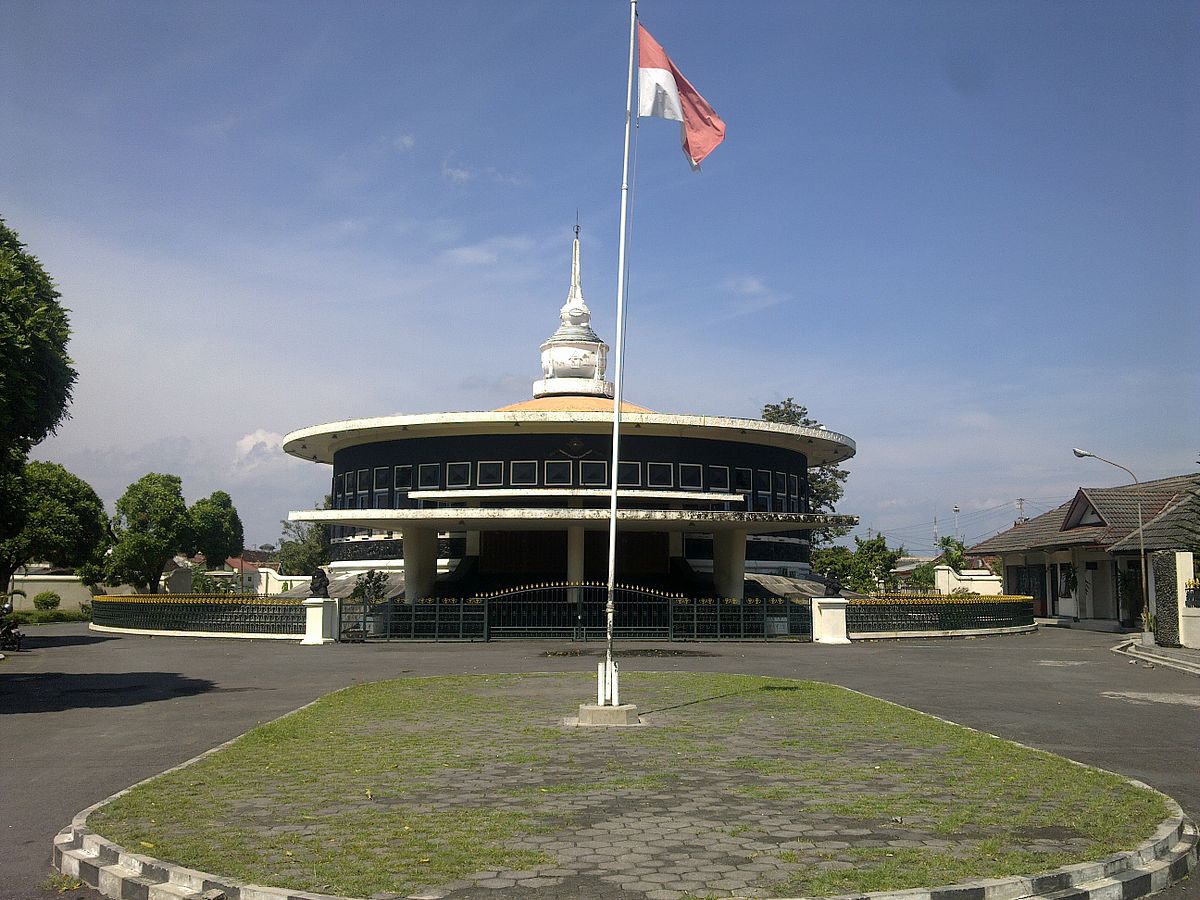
<point x="665" y="93"/>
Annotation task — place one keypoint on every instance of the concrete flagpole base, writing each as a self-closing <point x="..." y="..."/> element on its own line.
<point x="594" y="714"/>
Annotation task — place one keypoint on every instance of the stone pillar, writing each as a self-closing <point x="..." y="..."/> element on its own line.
<point x="320" y="621"/>
<point x="420" y="563"/>
<point x="1169" y="574"/>
<point x="575" y="569"/>
<point x="729" y="563"/>
<point x="829" y="620"/>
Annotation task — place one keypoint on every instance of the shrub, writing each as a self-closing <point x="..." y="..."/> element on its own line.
<point x="46" y="600"/>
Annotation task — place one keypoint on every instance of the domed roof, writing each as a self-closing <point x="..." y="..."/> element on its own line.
<point x="568" y="403"/>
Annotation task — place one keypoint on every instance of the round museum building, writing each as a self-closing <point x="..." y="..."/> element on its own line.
<point x="468" y="503"/>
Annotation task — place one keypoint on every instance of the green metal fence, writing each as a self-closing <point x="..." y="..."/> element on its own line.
<point x="576" y="612"/>
<point x="885" y="613"/>
<point x="202" y="613"/>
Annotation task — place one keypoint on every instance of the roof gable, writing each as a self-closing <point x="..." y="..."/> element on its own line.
<point x="1082" y="512"/>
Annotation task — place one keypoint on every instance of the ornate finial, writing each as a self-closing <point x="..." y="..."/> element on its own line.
<point x="574" y="358"/>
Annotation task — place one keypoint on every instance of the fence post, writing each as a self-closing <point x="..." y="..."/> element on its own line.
<point x="829" y="620"/>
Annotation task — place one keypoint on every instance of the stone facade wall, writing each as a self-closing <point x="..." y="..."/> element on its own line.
<point x="1166" y="616"/>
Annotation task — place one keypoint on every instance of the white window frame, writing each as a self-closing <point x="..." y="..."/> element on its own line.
<point x="421" y="481"/>
<point x="396" y="477"/>
<point x="670" y="467"/>
<point x="521" y="462"/>
<point x="629" y="462"/>
<point x="603" y="463"/>
<point x="458" y="487"/>
<point x="479" y="482"/>
<point x="728" y="484"/>
<point x="698" y="487"/>
<point x="558" y="462"/>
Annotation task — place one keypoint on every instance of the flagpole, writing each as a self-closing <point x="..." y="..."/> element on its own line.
<point x="608" y="679"/>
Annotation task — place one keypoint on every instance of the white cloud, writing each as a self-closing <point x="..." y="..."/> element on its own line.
<point x="457" y="174"/>
<point x="404" y="142"/>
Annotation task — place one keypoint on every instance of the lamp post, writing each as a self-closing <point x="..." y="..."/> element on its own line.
<point x="1085" y="454"/>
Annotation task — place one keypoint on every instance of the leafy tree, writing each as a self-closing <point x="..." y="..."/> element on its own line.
<point x="64" y="521"/>
<point x="35" y="370"/>
<point x="866" y="568"/>
<point x="873" y="564"/>
<point x="370" y="585"/>
<point x="923" y="576"/>
<point x="833" y="562"/>
<point x="825" y="483"/>
<point x="203" y="583"/>
<point x="954" y="552"/>
<point x="304" y="546"/>
<point x="151" y="525"/>
<point x="216" y="529"/>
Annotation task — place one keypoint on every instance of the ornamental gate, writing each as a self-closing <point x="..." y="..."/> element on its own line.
<point x="576" y="612"/>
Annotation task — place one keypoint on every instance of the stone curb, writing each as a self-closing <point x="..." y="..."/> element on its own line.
<point x="1169" y="855"/>
<point x="1137" y="651"/>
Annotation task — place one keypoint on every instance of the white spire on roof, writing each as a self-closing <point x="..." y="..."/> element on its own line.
<point x="574" y="359"/>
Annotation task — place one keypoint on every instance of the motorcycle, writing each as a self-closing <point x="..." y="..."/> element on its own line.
<point x="10" y="637"/>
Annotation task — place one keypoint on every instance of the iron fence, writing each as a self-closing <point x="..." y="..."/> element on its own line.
<point x="203" y="613"/>
<point x="575" y="612"/>
<point x="936" y="612"/>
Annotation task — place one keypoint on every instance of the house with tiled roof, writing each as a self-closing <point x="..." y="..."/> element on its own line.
<point x="1081" y="560"/>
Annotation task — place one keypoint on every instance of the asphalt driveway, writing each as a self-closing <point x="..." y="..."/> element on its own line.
<point x="83" y="715"/>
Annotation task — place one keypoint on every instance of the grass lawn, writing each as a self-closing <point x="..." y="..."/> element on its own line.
<point x="790" y="786"/>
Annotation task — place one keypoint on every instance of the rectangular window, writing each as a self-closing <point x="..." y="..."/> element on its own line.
<point x="659" y="475"/>
<point x="458" y="474"/>
<point x="762" y="481"/>
<point x="400" y="500"/>
<point x="780" y="483"/>
<point x="490" y="474"/>
<point x="794" y="485"/>
<point x="403" y="478"/>
<point x="429" y="476"/>
<point x="523" y="473"/>
<point x="718" y="478"/>
<point x="382" y="476"/>
<point x="363" y="499"/>
<point x="593" y="473"/>
<point x="381" y="500"/>
<point x="762" y="503"/>
<point x="743" y="480"/>
<point x="558" y="472"/>
<point x="629" y="474"/>
<point x="690" y="476"/>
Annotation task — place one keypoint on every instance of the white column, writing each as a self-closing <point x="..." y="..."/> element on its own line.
<point x="575" y="553"/>
<point x="675" y="544"/>
<point x="1189" y="616"/>
<point x="420" y="563"/>
<point x="829" y="620"/>
<point x="729" y="563"/>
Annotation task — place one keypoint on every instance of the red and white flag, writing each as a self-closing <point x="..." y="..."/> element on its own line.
<point x="665" y="93"/>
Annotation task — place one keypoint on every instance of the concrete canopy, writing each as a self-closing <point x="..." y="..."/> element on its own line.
<point x="527" y="519"/>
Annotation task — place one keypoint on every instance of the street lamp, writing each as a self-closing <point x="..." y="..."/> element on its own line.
<point x="1085" y="454"/>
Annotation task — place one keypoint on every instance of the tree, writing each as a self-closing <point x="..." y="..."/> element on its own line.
<point x="151" y="525"/>
<point x="866" y="568"/>
<point x="35" y="372"/>
<point x="833" y="562"/>
<point x="824" y="482"/>
<point x="923" y="576"/>
<point x="64" y="521"/>
<point x="304" y="546"/>
<point x="954" y="552"/>
<point x="216" y="529"/>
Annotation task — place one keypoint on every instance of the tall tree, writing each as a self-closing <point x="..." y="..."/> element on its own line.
<point x="36" y="375"/>
<point x="216" y="529"/>
<point x="35" y="372"/>
<point x="825" y="483"/>
<point x="865" y="569"/>
<point x="151" y="525"/>
<point x="65" y="523"/>
<point x="304" y="546"/>
<point x="954" y="552"/>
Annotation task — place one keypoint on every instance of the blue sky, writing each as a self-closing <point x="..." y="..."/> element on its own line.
<point x="965" y="234"/>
